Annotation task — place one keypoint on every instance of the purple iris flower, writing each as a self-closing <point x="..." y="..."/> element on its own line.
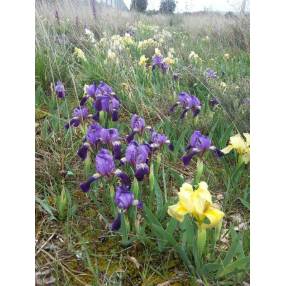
<point x="198" y="144"/>
<point x="158" y="140"/>
<point x="124" y="199"/>
<point x="137" y="126"/>
<point x="60" y="89"/>
<point x="93" y="134"/>
<point x="158" y="61"/>
<point x="175" y="76"/>
<point x="104" y="163"/>
<point x="109" y="104"/>
<point x="111" y="137"/>
<point x="213" y="102"/>
<point x="210" y="74"/>
<point x="116" y="224"/>
<point x="137" y="155"/>
<point x="114" y="106"/>
<point x="80" y="113"/>
<point x="92" y="138"/>
<point x="91" y="90"/>
<point x="103" y="89"/>
<point x="188" y="102"/>
<point x="105" y="166"/>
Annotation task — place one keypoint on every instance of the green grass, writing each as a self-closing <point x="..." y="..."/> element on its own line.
<point x="82" y="250"/>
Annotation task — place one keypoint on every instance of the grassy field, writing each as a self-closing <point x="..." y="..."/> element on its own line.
<point x="74" y="243"/>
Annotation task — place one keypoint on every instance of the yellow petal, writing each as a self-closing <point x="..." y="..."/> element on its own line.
<point x="247" y="137"/>
<point x="204" y="192"/>
<point x="227" y="149"/>
<point x="238" y="143"/>
<point x="185" y="197"/>
<point x="177" y="211"/>
<point x="214" y="215"/>
<point x="201" y="199"/>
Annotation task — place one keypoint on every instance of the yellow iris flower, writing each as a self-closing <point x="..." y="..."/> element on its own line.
<point x="143" y="60"/>
<point x="198" y="204"/>
<point x="241" y="145"/>
<point x="79" y="53"/>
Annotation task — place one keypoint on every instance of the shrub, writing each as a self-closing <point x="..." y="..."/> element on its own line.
<point x="167" y="6"/>
<point x="139" y="5"/>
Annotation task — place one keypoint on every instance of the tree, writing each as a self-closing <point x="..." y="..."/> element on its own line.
<point x="139" y="5"/>
<point x="167" y="6"/>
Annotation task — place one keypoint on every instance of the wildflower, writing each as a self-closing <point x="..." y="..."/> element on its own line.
<point x="193" y="55"/>
<point x="90" y="35"/>
<point x="158" y="140"/>
<point x="137" y="155"/>
<point x="111" y="55"/>
<point x="223" y="84"/>
<point x="240" y="145"/>
<point x="92" y="138"/>
<point x="137" y="126"/>
<point x="97" y="134"/>
<point x="79" y="114"/>
<point x="158" y="60"/>
<point x="89" y="91"/>
<point x="79" y="53"/>
<point x="210" y="74"/>
<point x="111" y="137"/>
<point x="105" y="167"/>
<point x="60" y="89"/>
<point x="199" y="144"/>
<point x="170" y="59"/>
<point x="213" y="102"/>
<point x="124" y="199"/>
<point x="175" y="76"/>
<point x="106" y="100"/>
<point x="143" y="60"/>
<point x="157" y="52"/>
<point x="226" y="56"/>
<point x="127" y="39"/>
<point x="188" y="102"/>
<point x="198" y="204"/>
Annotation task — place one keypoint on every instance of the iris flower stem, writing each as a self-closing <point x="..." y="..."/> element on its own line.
<point x="201" y="239"/>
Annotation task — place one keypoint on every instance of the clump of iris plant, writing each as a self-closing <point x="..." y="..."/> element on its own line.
<point x="198" y="145"/>
<point x="103" y="99"/>
<point x="60" y="89"/>
<point x="188" y="102"/>
<point x="97" y="135"/>
<point x="124" y="199"/>
<point x="105" y="167"/>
